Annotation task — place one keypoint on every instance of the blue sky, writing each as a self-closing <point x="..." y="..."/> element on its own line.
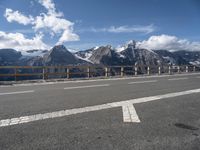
<point x="82" y="24"/>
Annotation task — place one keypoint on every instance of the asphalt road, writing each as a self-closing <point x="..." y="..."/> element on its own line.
<point x="144" y="113"/>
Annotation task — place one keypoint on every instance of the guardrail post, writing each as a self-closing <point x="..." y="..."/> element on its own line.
<point x="148" y="70"/>
<point x="159" y="70"/>
<point x="122" y="71"/>
<point x="136" y="70"/>
<point x="15" y="70"/>
<point x="178" y="69"/>
<point x="169" y="70"/>
<point x="43" y="73"/>
<point x="186" y="69"/>
<point x="194" y="69"/>
<point x="88" y="72"/>
<point x="68" y="73"/>
<point x="106" y="72"/>
<point x="46" y="72"/>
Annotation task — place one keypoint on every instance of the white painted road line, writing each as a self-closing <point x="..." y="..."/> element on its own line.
<point x="129" y="113"/>
<point x="19" y="92"/>
<point x="123" y="104"/>
<point x="140" y="82"/>
<point x="175" y="79"/>
<point x="87" y="86"/>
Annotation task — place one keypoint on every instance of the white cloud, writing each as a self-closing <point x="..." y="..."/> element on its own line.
<point x="18" y="17"/>
<point x="52" y="22"/>
<point x="56" y="26"/>
<point x="49" y="5"/>
<point x="55" y="23"/>
<point x="168" y="42"/>
<point x="19" y="42"/>
<point x="125" y="29"/>
<point x="132" y="29"/>
<point x="68" y="36"/>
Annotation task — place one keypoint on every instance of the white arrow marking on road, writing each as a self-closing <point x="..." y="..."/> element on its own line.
<point x="19" y="92"/>
<point x="62" y="113"/>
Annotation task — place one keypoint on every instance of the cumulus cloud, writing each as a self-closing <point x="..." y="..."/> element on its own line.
<point x="55" y="23"/>
<point x="168" y="42"/>
<point x="52" y="22"/>
<point x="19" y="42"/>
<point x="125" y="29"/>
<point x="56" y="26"/>
<point x="49" y="5"/>
<point x="16" y="16"/>
<point x="68" y="36"/>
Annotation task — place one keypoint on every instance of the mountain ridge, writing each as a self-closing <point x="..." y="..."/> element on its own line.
<point x="127" y="54"/>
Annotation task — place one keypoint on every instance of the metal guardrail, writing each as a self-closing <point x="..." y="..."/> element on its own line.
<point x="45" y="72"/>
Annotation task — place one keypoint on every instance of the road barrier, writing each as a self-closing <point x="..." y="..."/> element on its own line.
<point x="17" y="73"/>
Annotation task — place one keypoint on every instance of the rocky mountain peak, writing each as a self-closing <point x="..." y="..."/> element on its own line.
<point x="131" y="44"/>
<point x="59" y="55"/>
<point x="59" y="48"/>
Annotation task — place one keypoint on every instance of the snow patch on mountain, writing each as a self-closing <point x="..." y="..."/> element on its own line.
<point x="195" y="63"/>
<point x="33" y="53"/>
<point x="129" y="44"/>
<point x="72" y="50"/>
<point x="85" y="59"/>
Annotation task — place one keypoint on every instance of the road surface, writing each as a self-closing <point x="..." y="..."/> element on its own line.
<point x="157" y="112"/>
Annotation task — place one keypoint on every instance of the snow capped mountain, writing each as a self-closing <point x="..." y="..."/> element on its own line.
<point x="86" y="54"/>
<point x="105" y="55"/>
<point x="34" y="53"/>
<point x="84" y="59"/>
<point x="171" y="57"/>
<point x="72" y="50"/>
<point x="129" y="44"/>
<point x="128" y="54"/>
<point x="59" y="55"/>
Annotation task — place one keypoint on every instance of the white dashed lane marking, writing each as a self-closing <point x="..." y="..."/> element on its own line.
<point x="87" y="86"/>
<point x="129" y="115"/>
<point x="18" y="92"/>
<point x="140" y="82"/>
<point x="174" y="79"/>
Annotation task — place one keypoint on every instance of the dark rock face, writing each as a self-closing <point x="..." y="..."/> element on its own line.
<point x="188" y="56"/>
<point x="9" y="57"/>
<point x="173" y="57"/>
<point x="141" y="57"/>
<point x="105" y="55"/>
<point x="59" y="55"/>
